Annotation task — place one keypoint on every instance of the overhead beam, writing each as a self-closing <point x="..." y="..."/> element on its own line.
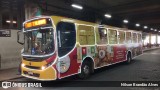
<point x="135" y="4"/>
<point x="138" y="10"/>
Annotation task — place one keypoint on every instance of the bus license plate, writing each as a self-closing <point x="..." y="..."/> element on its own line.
<point x="30" y="73"/>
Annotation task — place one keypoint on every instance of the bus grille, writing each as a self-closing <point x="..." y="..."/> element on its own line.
<point x="32" y="67"/>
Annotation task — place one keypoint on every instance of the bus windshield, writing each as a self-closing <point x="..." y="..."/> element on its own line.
<point x="39" y="42"/>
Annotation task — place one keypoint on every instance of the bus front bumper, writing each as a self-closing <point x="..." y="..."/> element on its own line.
<point x="46" y="74"/>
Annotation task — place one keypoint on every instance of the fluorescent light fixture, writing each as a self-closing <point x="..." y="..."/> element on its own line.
<point x="125" y="21"/>
<point x="145" y="27"/>
<point x="137" y="24"/>
<point x="158" y="31"/>
<point x="14" y="22"/>
<point x="7" y="21"/>
<point x="155" y="30"/>
<point x="77" y="6"/>
<point x="151" y="28"/>
<point x="107" y="15"/>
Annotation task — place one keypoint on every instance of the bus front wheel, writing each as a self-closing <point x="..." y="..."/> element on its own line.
<point x="85" y="70"/>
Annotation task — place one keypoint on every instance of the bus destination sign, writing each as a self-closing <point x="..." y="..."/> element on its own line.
<point x="35" y="23"/>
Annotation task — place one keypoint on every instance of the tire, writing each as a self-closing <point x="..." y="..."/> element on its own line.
<point x="85" y="70"/>
<point x="129" y="58"/>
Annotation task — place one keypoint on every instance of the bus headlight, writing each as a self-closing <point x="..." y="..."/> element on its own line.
<point x="23" y="64"/>
<point x="43" y="67"/>
<point x="49" y="64"/>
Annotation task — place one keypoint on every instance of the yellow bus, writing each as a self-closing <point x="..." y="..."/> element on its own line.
<point x="56" y="47"/>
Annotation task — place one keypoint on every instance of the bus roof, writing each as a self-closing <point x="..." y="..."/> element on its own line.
<point x="56" y="19"/>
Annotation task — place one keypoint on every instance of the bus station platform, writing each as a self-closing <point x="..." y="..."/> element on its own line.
<point x="147" y="49"/>
<point x="9" y="74"/>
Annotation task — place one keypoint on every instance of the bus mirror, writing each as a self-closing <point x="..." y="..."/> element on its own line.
<point x="20" y="37"/>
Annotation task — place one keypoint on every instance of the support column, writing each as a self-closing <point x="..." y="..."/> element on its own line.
<point x="21" y="18"/>
<point x="0" y="19"/>
<point x="31" y="9"/>
<point x="0" y="16"/>
<point x="150" y="35"/>
<point x="11" y="16"/>
<point x="156" y="40"/>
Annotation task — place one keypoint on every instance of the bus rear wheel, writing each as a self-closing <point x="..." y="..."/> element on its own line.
<point x="85" y="70"/>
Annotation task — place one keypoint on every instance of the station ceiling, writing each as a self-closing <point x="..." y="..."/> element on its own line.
<point x="144" y="12"/>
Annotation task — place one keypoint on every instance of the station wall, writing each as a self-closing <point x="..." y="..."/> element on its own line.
<point x="150" y="40"/>
<point x="10" y="51"/>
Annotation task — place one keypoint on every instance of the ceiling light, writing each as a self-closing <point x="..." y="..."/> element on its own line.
<point x="125" y="21"/>
<point x="151" y="28"/>
<point x="155" y="30"/>
<point x="77" y="6"/>
<point x="14" y="22"/>
<point x="107" y="15"/>
<point x="7" y="21"/>
<point x="137" y="24"/>
<point x="145" y="27"/>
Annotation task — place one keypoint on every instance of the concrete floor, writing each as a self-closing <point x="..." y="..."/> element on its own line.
<point x="143" y="68"/>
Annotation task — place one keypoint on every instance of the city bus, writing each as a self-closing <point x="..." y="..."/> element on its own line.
<point x="56" y="47"/>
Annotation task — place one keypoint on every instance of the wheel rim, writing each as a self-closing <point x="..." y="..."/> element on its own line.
<point x="86" y="69"/>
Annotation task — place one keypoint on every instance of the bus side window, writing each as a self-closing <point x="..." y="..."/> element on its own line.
<point x="82" y="37"/>
<point x="134" y="37"/>
<point x="128" y="37"/>
<point x="86" y="35"/>
<point x="121" y="37"/>
<point x="112" y="36"/>
<point x="102" y="35"/>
